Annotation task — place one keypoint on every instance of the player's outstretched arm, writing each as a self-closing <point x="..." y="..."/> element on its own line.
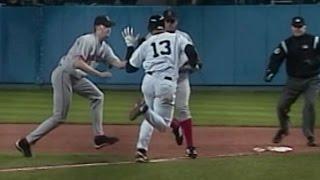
<point x="82" y="65"/>
<point x="117" y="63"/>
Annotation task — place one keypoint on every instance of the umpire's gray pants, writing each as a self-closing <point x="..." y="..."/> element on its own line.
<point x="63" y="86"/>
<point x="309" y="88"/>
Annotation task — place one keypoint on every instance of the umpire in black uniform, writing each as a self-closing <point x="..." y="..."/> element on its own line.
<point x="302" y="54"/>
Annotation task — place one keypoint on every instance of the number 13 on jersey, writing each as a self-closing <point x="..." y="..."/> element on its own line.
<point x="161" y="48"/>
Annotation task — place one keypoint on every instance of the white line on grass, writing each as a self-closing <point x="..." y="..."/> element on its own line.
<point x="65" y="166"/>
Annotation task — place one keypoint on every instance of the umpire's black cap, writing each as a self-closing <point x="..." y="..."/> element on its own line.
<point x="169" y="14"/>
<point x="297" y="22"/>
<point x="156" y="22"/>
<point x="103" y="20"/>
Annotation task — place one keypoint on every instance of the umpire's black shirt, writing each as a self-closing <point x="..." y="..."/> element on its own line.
<point x="302" y="54"/>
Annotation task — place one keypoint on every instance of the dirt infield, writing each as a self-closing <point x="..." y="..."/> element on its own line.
<point x="210" y="141"/>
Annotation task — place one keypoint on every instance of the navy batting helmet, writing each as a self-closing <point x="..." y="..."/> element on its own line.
<point x="156" y="22"/>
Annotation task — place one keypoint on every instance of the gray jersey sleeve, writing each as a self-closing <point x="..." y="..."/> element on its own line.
<point x="108" y="55"/>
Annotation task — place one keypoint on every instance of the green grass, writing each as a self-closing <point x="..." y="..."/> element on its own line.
<point x="14" y="160"/>
<point x="264" y="167"/>
<point x="233" y="108"/>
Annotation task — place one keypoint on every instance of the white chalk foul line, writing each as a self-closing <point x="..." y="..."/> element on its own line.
<point x="62" y="166"/>
<point x="65" y="166"/>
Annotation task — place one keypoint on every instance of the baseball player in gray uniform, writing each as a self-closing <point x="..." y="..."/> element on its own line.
<point x="159" y="56"/>
<point x="70" y="76"/>
<point x="183" y="116"/>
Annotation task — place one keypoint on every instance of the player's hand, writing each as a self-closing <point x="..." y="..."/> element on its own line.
<point x="129" y="37"/>
<point x="268" y="76"/>
<point x="105" y="74"/>
<point x="123" y="64"/>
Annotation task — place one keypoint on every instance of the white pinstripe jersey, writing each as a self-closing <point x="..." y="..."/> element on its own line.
<point x="160" y="53"/>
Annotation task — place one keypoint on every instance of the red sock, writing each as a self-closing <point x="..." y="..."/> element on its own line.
<point x="174" y="123"/>
<point x="186" y="126"/>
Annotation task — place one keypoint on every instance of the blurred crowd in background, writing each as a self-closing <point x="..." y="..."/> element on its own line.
<point x="151" y="2"/>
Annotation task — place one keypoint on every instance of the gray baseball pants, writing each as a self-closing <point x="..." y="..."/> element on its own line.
<point x="63" y="86"/>
<point x="295" y="87"/>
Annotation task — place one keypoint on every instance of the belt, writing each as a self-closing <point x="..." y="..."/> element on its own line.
<point x="166" y="77"/>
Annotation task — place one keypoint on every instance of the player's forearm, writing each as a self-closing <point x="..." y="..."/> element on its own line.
<point x="80" y="64"/>
<point x="129" y="52"/>
<point x="118" y="64"/>
<point x="274" y="64"/>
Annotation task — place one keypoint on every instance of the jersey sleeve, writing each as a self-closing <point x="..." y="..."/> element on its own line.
<point x="316" y="47"/>
<point x="183" y="58"/>
<point x="187" y="36"/>
<point x="137" y="57"/>
<point x="108" y="54"/>
<point x="182" y="42"/>
<point x="277" y="57"/>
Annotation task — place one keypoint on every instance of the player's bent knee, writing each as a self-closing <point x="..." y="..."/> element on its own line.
<point x="98" y="99"/>
<point x="99" y="96"/>
<point x="182" y="112"/>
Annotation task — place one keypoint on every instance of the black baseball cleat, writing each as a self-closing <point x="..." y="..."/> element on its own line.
<point x="139" y="108"/>
<point x="24" y="147"/>
<point x="177" y="132"/>
<point x="141" y="156"/>
<point x="191" y="152"/>
<point x="280" y="135"/>
<point x="311" y="142"/>
<point x="103" y="140"/>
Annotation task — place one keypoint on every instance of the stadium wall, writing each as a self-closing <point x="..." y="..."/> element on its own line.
<point x="234" y="42"/>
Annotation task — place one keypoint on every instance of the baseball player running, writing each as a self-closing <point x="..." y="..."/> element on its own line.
<point x="183" y="119"/>
<point x="70" y="76"/>
<point x="159" y="56"/>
